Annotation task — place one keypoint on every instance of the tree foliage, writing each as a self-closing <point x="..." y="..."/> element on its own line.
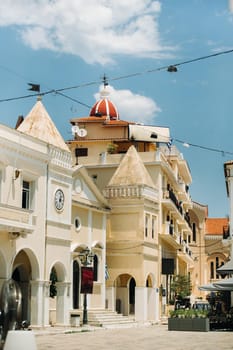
<point x="181" y="286"/>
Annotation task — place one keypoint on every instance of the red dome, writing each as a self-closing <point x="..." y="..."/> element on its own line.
<point x="104" y="107"/>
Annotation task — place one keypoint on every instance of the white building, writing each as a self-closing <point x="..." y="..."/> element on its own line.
<point x="41" y="231"/>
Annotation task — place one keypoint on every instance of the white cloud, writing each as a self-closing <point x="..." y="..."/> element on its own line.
<point x="95" y="30"/>
<point x="231" y="6"/>
<point x="132" y="107"/>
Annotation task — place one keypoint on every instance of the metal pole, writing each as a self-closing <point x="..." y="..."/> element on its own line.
<point x="85" y="320"/>
<point x="85" y="262"/>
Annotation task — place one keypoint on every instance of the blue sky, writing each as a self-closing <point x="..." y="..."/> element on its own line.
<point x="65" y="43"/>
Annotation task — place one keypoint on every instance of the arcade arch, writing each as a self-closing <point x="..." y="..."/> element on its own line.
<point x="25" y="268"/>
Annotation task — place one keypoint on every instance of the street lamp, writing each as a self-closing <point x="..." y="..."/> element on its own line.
<point x="86" y="258"/>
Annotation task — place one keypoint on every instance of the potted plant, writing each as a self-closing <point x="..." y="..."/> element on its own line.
<point x="188" y="320"/>
<point x="111" y="148"/>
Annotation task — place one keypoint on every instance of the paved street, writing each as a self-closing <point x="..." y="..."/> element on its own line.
<point x="143" y="338"/>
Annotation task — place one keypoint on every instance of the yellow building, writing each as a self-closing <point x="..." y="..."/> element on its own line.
<point x="153" y="221"/>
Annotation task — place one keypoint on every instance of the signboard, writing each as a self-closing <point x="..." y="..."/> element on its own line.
<point x="168" y="266"/>
<point x="87" y="276"/>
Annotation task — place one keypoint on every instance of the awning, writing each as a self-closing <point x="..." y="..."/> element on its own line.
<point x="227" y="268"/>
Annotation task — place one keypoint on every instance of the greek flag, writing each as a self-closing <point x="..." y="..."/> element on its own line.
<point x="169" y="143"/>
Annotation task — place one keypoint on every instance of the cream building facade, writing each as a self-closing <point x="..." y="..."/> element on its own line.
<point x="49" y="211"/>
<point x="118" y="189"/>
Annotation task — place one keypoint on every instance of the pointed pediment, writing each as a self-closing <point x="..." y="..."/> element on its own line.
<point x="131" y="171"/>
<point x="85" y="191"/>
<point x="39" y="125"/>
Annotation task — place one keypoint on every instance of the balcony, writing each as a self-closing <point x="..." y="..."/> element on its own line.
<point x="170" y="236"/>
<point x="16" y="220"/>
<point x="185" y="253"/>
<point x="171" y="202"/>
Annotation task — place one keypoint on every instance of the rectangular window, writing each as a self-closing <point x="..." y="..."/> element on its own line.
<point x="153" y="227"/>
<point x="146" y="225"/>
<point x="81" y="152"/>
<point x="26" y="195"/>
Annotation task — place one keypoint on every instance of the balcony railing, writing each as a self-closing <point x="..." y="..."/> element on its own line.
<point x="169" y="194"/>
<point x="168" y="234"/>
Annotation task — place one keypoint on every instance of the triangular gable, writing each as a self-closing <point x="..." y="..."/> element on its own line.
<point x="39" y="125"/>
<point x="131" y="171"/>
<point x="85" y="191"/>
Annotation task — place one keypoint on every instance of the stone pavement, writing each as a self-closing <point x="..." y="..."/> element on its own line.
<point x="149" y="337"/>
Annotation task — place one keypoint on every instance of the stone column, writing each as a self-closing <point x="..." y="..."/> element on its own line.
<point x="63" y="302"/>
<point x="39" y="304"/>
<point x="141" y="313"/>
<point x="110" y="298"/>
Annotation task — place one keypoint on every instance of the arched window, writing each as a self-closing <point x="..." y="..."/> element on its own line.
<point x="77" y="223"/>
<point x="95" y="268"/>
<point x="194" y="232"/>
<point x="215" y="263"/>
<point x="211" y="269"/>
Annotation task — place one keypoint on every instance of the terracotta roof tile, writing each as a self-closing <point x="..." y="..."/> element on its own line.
<point x="214" y="226"/>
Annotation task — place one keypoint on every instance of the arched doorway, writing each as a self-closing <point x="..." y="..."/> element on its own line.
<point x="58" y="294"/>
<point x="152" y="298"/>
<point x="22" y="274"/>
<point x="125" y="294"/>
<point x="132" y="285"/>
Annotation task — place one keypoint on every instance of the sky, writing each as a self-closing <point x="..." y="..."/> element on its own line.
<point x="72" y="44"/>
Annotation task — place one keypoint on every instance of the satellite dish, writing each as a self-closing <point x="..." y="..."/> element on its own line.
<point x="82" y="132"/>
<point x="74" y="129"/>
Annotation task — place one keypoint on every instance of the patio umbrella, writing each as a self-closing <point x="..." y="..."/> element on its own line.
<point x="227" y="284"/>
<point x="226" y="269"/>
<point x="210" y="287"/>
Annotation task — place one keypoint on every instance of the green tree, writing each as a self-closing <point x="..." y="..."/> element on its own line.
<point x="181" y="286"/>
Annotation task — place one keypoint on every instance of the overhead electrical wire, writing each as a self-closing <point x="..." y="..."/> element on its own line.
<point x="189" y="144"/>
<point x="117" y="78"/>
<point x="170" y="68"/>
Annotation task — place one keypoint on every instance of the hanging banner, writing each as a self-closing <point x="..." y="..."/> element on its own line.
<point x="87" y="277"/>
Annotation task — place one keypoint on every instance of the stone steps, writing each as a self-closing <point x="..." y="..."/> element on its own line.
<point x="109" y="319"/>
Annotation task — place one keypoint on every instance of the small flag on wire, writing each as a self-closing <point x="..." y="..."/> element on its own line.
<point x="34" y="87"/>
<point x="106" y="272"/>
